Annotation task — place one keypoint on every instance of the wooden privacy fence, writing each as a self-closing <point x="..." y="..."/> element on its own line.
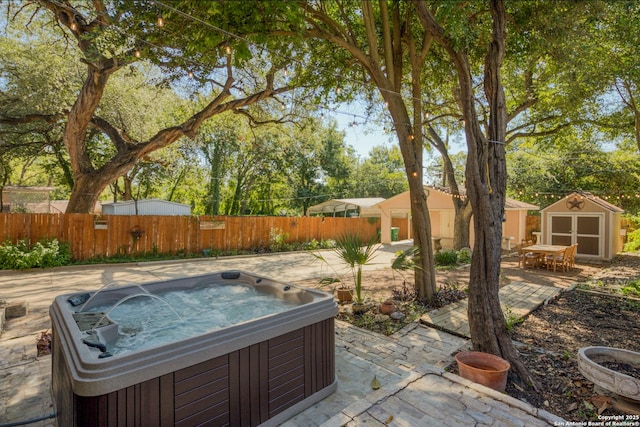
<point x="92" y="236"/>
<point x="533" y="224"/>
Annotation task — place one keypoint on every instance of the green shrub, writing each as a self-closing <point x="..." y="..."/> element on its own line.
<point x="632" y="288"/>
<point x="45" y="253"/>
<point x="446" y="257"/>
<point x="464" y="256"/>
<point x="278" y="240"/>
<point x="633" y="241"/>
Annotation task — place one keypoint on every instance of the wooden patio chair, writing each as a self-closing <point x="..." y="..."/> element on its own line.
<point x="558" y="260"/>
<point x="525" y="258"/>
<point x="521" y="252"/>
<point x="532" y="259"/>
<point x="572" y="256"/>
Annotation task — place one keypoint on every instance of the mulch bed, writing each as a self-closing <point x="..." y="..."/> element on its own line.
<point x="549" y="340"/>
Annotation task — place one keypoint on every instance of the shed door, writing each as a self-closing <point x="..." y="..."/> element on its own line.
<point x="585" y="230"/>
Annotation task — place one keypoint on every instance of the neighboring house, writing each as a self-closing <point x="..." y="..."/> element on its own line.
<point x="363" y="207"/>
<point x="146" y="207"/>
<point x="582" y="218"/>
<point x="396" y="212"/>
<point x="26" y="199"/>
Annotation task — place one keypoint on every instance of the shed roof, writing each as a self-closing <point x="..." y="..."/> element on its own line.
<point x="340" y="205"/>
<point x="594" y="199"/>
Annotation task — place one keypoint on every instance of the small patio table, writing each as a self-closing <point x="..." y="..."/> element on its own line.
<point x="546" y="250"/>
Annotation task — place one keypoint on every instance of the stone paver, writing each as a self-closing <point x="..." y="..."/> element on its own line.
<point x="517" y="298"/>
<point x="415" y="391"/>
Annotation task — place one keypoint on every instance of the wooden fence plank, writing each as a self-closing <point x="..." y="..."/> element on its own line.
<point x="107" y="235"/>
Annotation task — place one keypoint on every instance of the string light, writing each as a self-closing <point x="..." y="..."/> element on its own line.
<point x="73" y="26"/>
<point x="160" y="21"/>
<point x="227" y="48"/>
<point x="137" y="53"/>
<point x="285" y="72"/>
<point x="190" y="74"/>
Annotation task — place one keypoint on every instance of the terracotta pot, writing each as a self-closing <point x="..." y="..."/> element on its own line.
<point x="483" y="368"/>
<point x="387" y="307"/>
<point x="358" y="307"/>
<point x="344" y="294"/>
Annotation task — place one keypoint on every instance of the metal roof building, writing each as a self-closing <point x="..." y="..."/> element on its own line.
<point x="146" y="207"/>
<point x="362" y="207"/>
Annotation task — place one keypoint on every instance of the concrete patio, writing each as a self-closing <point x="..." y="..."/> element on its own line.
<point x="415" y="391"/>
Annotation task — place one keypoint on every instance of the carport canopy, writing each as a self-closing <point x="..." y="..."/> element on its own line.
<point x="364" y="206"/>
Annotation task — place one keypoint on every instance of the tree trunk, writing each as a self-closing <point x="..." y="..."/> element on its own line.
<point x="462" y="208"/>
<point x="462" y="224"/>
<point x="86" y="189"/>
<point x="486" y="186"/>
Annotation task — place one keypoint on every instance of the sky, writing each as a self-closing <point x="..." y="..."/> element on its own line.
<point x="365" y="134"/>
<point x="363" y="137"/>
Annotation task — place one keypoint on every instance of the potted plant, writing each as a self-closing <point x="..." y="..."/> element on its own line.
<point x="344" y="293"/>
<point x="355" y="254"/>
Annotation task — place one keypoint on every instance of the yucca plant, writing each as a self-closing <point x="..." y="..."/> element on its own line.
<point x="355" y="253"/>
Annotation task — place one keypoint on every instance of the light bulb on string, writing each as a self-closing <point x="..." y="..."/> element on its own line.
<point x="73" y="26"/>
<point x="137" y="53"/>
<point x="338" y="90"/>
<point x="227" y="48"/>
<point x="285" y="71"/>
<point x="190" y="74"/>
<point x="160" y="21"/>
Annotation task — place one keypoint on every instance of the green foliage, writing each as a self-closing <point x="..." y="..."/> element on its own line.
<point x="573" y="161"/>
<point x="355" y="254"/>
<point x="632" y="288"/>
<point x="511" y="318"/>
<point x="464" y="256"/>
<point x="278" y="240"/>
<point x="406" y="259"/>
<point x="633" y="241"/>
<point x="446" y="257"/>
<point x="45" y="253"/>
<point x="319" y="244"/>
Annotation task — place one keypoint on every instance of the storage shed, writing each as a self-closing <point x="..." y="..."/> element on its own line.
<point x="396" y="212"/>
<point x="146" y="207"/>
<point x="582" y="218"/>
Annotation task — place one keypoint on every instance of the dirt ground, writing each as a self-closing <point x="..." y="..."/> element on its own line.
<point x="550" y="337"/>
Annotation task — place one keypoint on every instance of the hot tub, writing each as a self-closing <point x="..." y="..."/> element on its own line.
<point x="257" y="372"/>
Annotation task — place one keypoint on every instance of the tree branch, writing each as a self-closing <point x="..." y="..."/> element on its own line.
<point x="30" y="118"/>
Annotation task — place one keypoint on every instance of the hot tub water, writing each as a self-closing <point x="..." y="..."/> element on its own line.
<point x="148" y="320"/>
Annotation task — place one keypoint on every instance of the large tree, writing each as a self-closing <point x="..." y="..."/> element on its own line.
<point x="110" y="40"/>
<point x="380" y="45"/>
<point x="486" y="173"/>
